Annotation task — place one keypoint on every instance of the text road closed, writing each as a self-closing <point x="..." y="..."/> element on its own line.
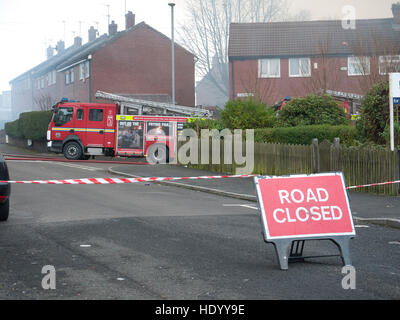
<point x="305" y="206"/>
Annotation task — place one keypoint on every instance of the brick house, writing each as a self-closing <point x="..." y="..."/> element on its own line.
<point x="275" y="60"/>
<point x="134" y="62"/>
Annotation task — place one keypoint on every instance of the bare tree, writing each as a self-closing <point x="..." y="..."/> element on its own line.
<point x="256" y="86"/>
<point x="374" y="57"/>
<point x="44" y="101"/>
<point x="206" y="31"/>
<point x="325" y="73"/>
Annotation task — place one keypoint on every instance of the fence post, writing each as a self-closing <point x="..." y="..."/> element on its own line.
<point x="398" y="167"/>
<point x="315" y="156"/>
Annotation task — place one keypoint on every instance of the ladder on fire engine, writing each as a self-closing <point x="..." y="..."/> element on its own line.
<point x="152" y="107"/>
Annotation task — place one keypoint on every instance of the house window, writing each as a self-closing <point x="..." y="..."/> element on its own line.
<point x="358" y="66"/>
<point x="81" y="71"/>
<point x="300" y="67"/>
<point x="54" y="76"/>
<point x="87" y="69"/>
<point x="67" y="79"/>
<point x="72" y="75"/>
<point x="42" y="83"/>
<point x="389" y="64"/>
<point x="269" y="68"/>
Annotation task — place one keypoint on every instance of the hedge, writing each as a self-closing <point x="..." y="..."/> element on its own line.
<point x="12" y="129"/>
<point x="30" y="125"/>
<point x="305" y="134"/>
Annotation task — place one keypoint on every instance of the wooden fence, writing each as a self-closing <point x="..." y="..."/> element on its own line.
<point x="360" y="165"/>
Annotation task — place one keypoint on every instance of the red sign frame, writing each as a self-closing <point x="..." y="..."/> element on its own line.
<point x="304" y="206"/>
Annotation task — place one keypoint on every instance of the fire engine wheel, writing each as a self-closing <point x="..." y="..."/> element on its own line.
<point x="72" y="151"/>
<point x="157" y="153"/>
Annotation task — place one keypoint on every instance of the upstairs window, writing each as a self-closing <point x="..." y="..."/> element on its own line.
<point x="87" y="69"/>
<point x="300" y="67"/>
<point x="72" y="76"/>
<point x="81" y="71"/>
<point x="67" y="78"/>
<point x="389" y="64"/>
<point x="269" y="68"/>
<point x="358" y="66"/>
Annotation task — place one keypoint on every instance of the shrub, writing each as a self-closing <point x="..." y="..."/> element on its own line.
<point x="30" y="125"/>
<point x="13" y="129"/>
<point x="312" y="110"/>
<point x="305" y="134"/>
<point x="198" y="124"/>
<point x="247" y="114"/>
<point x="374" y="114"/>
<point x="34" y="124"/>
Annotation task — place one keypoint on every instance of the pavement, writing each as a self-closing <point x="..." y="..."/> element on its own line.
<point x="366" y="207"/>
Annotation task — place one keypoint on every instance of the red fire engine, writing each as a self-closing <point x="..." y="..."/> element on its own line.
<point x="80" y="130"/>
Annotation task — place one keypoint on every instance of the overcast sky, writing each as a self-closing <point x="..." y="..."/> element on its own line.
<point x="28" y="27"/>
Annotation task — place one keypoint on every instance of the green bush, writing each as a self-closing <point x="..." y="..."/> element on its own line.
<point x="13" y="129"/>
<point x="198" y="124"/>
<point x="305" y="134"/>
<point x="247" y="114"/>
<point x="374" y="114"/>
<point x="312" y="110"/>
<point x="30" y="125"/>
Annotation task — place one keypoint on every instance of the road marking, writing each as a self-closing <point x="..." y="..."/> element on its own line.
<point x="73" y="165"/>
<point x="361" y="226"/>
<point x="65" y="164"/>
<point x="241" y="205"/>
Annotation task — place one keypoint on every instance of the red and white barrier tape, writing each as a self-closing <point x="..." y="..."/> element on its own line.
<point x="373" y="184"/>
<point x="121" y="180"/>
<point x="151" y="179"/>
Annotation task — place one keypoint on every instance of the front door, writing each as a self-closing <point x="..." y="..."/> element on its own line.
<point x="95" y="131"/>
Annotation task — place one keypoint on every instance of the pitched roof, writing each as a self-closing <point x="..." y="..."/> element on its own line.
<point x="304" y="38"/>
<point x="74" y="54"/>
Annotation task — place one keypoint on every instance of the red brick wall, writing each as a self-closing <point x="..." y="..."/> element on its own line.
<point x="79" y="90"/>
<point x="140" y="62"/>
<point x="245" y="77"/>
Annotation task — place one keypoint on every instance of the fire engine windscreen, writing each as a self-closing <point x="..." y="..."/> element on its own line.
<point x="62" y="116"/>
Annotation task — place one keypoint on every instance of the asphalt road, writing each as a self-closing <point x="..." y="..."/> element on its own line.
<point x="149" y="241"/>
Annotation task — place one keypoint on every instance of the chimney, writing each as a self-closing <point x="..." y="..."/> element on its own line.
<point x="112" y="28"/>
<point x="92" y="34"/>
<point x="60" y="47"/>
<point x="77" y="41"/>
<point x="49" y="52"/>
<point x="129" y="20"/>
<point x="396" y="13"/>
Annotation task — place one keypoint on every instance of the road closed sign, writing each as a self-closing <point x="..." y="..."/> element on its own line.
<point x="304" y="206"/>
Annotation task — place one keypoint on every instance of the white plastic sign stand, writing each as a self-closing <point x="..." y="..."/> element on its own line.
<point x="297" y="208"/>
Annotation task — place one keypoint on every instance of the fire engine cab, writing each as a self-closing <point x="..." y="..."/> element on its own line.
<point x="80" y="130"/>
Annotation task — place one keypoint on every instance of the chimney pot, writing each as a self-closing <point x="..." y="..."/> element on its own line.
<point x="60" y="47"/>
<point x="77" y="41"/>
<point x="49" y="52"/>
<point x="112" y="28"/>
<point x="129" y="20"/>
<point x="92" y="34"/>
<point x="396" y="12"/>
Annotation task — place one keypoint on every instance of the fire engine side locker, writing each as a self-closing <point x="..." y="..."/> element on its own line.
<point x="126" y="122"/>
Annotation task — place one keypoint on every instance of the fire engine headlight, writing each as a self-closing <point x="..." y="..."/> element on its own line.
<point x="48" y="135"/>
